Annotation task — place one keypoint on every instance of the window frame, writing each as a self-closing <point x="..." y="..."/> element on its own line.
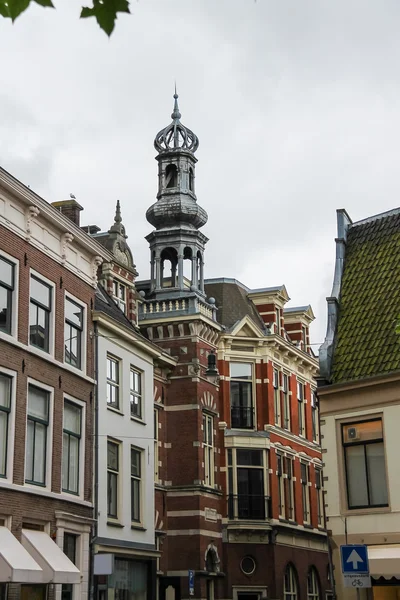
<point x="156" y="450"/>
<point x="8" y="411"/>
<point x="305" y="491"/>
<point x="315" y="593"/>
<point x="208" y="448"/>
<point x="286" y="401"/>
<point x="133" y="393"/>
<point x="49" y="312"/>
<point x="113" y="474"/>
<point x="289" y="488"/>
<point x="82" y="332"/>
<point x="301" y="397"/>
<point x="79" y="438"/>
<point x="114" y="384"/>
<point x="47" y="439"/>
<point x="232" y="483"/>
<point x="290" y="574"/>
<point x="363" y="443"/>
<point x="281" y="485"/>
<point x="12" y="294"/>
<point x="320" y="496"/>
<point x="276" y="376"/>
<point x="315" y="417"/>
<point x="122" y="303"/>
<point x="137" y="485"/>
<point x="242" y="381"/>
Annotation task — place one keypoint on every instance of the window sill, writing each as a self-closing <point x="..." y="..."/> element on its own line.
<point x="117" y="524"/>
<point x="138" y="420"/>
<point x="308" y="526"/>
<point x="138" y="527"/>
<point x="115" y="410"/>
<point x="366" y="511"/>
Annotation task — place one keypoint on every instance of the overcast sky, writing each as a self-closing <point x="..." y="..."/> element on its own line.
<point x="295" y="103"/>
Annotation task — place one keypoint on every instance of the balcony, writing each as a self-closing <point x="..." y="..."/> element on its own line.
<point x="249" y="507"/>
<point x="242" y="417"/>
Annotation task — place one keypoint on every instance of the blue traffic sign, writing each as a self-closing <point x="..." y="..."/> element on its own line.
<point x="354" y="559"/>
<point x="191" y="583"/>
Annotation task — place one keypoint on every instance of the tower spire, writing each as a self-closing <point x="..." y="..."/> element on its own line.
<point x="118" y="218"/>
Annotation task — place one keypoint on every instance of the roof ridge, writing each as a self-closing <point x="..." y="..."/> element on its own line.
<point x="388" y="213"/>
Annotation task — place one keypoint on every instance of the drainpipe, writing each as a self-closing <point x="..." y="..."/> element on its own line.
<point x="96" y="460"/>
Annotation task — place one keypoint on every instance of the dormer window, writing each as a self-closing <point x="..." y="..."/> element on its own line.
<point x="119" y="293"/>
<point x="171" y="176"/>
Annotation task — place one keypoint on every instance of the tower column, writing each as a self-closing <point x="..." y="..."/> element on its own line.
<point x="202" y="274"/>
<point x="158" y="272"/>
<point x="194" y="269"/>
<point x="180" y="268"/>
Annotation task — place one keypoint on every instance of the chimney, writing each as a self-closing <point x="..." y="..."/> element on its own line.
<point x="70" y="208"/>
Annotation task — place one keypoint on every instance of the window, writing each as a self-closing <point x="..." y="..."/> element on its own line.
<point x="5" y="409"/>
<point x="73" y="327"/>
<point x="312" y="585"/>
<point x="136" y="393"/>
<point x="39" y="314"/>
<point x="365" y="464"/>
<point x="71" y="447"/>
<point x="208" y="445"/>
<point x="241" y="389"/>
<point x="156" y="474"/>
<point x="290" y="584"/>
<point x="69" y="549"/>
<point x="247" y="480"/>
<point x="171" y="176"/>
<point x="304" y="477"/>
<point x="304" y="337"/>
<point x="278" y="321"/>
<point x="36" y="435"/>
<point x="320" y="497"/>
<point x="112" y="479"/>
<point x="289" y="489"/>
<point x="301" y="411"/>
<point x="120" y="294"/>
<point x="6" y="294"/>
<point x="277" y="398"/>
<point x="191" y="179"/>
<point x="281" y="488"/>
<point x="136" y="474"/>
<point x="314" y="417"/>
<point x="112" y="382"/>
<point x="286" y="401"/>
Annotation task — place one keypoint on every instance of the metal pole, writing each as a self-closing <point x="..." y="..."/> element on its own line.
<point x="358" y="593"/>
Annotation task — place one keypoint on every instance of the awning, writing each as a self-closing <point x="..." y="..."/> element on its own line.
<point x="57" y="568"/>
<point x="16" y="564"/>
<point x="384" y="561"/>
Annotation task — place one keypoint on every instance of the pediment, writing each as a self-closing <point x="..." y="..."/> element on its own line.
<point x="246" y="328"/>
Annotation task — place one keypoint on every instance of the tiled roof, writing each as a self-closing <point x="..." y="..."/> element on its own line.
<point x="232" y="302"/>
<point x="104" y="303"/>
<point x="369" y="304"/>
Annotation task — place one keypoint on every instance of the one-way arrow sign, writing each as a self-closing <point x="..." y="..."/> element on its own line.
<point x="354" y="559"/>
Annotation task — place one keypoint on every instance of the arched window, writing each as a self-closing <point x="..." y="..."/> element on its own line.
<point x="290" y="584"/>
<point x="191" y="179"/>
<point x="171" y="176"/>
<point x="313" y="585"/>
<point x="169" y="262"/>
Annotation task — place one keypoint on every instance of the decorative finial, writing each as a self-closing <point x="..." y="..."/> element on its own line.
<point x="176" y="115"/>
<point x="118" y="218"/>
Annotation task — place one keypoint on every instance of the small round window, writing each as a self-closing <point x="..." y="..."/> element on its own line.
<point x="248" y="565"/>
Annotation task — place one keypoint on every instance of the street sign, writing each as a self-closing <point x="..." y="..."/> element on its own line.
<point x="354" y="559"/>
<point x="356" y="581"/>
<point x="191" y="583"/>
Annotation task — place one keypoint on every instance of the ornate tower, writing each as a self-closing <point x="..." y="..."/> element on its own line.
<point x="176" y="245"/>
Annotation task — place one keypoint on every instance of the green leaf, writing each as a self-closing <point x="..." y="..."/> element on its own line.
<point x="16" y="7"/>
<point x="45" y="3"/>
<point x="4" y="12"/>
<point x="105" y="12"/>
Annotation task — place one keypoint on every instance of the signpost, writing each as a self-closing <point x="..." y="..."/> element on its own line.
<point x="355" y="567"/>
<point x="191" y="583"/>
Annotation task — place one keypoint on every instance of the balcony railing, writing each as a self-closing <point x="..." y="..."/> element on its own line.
<point x="242" y="417"/>
<point x="253" y="507"/>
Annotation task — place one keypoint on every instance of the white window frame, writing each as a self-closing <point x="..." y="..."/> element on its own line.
<point x="49" y="439"/>
<point x="116" y="384"/>
<point x="305" y="492"/>
<point x="82" y="446"/>
<point x="11" y="425"/>
<point x="82" y="368"/>
<point x="286" y="401"/>
<point x="293" y="592"/>
<point x="122" y="303"/>
<point x="252" y="381"/>
<point x="140" y="479"/>
<point x="52" y="315"/>
<point x="277" y="396"/>
<point x="136" y="394"/>
<point x="15" y="296"/>
<point x="208" y="447"/>
<point x="116" y="472"/>
<point x="314" y="593"/>
<point x="281" y="484"/>
<point x="290" y="484"/>
<point x="301" y="398"/>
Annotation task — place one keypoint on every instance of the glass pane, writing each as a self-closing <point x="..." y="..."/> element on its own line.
<point x="38" y="327"/>
<point x="73" y="312"/>
<point x="112" y="456"/>
<point x="209" y="431"/>
<point x="361" y="432"/>
<point x="40" y="292"/>
<point x="135" y="499"/>
<point x="69" y="547"/>
<point x="356" y="476"/>
<point x="240" y="370"/>
<point x="72" y="418"/>
<point x="5" y="309"/>
<point x="112" y="494"/>
<point x="249" y="457"/>
<point x="6" y="272"/>
<point x="3" y="442"/>
<point x="135" y="382"/>
<point x="30" y="434"/>
<point x="38" y="403"/>
<point x="73" y="464"/>
<point x="5" y="391"/>
<point x="39" y="462"/>
<point x="376" y="474"/>
<point x="65" y="460"/>
<point x="135" y="463"/>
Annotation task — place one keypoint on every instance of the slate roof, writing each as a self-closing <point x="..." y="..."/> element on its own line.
<point x="232" y="302"/>
<point x="369" y="303"/>
<point x="104" y="303"/>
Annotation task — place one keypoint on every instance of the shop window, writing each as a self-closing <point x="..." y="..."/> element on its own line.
<point x="364" y="456"/>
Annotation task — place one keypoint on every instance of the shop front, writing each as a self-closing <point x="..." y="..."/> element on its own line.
<point x="129" y="579"/>
<point x="384" y="566"/>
